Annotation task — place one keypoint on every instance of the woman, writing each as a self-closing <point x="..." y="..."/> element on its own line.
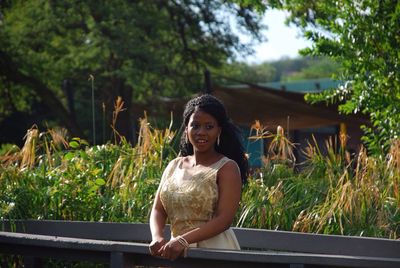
<point x="200" y="191"/>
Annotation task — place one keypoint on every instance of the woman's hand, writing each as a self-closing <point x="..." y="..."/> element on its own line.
<point x="172" y="250"/>
<point x="156" y="246"/>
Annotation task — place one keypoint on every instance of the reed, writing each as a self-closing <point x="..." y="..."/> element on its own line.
<point x="332" y="193"/>
<point x="360" y="196"/>
<point x="54" y="177"/>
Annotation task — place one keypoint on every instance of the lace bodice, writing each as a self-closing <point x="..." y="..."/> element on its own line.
<point x="189" y="196"/>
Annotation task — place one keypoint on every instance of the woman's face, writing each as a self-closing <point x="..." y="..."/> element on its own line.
<point x="202" y="131"/>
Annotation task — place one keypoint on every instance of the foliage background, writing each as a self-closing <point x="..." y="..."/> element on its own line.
<point x="140" y="51"/>
<point x="364" y="37"/>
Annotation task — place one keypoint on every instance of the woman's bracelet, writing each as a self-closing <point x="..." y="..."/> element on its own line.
<point x="184" y="243"/>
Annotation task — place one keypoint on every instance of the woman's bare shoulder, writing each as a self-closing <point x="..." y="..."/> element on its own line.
<point x="229" y="169"/>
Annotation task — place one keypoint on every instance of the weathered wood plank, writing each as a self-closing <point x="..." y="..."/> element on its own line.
<point x="121" y="260"/>
<point x="84" y="229"/>
<point x="316" y="243"/>
<point x="74" y="248"/>
<point x="32" y="262"/>
<point x="248" y="238"/>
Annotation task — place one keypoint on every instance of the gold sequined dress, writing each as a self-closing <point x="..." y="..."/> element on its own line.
<point x="190" y="198"/>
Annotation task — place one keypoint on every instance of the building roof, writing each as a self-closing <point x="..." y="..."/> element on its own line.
<point x="273" y="106"/>
<point x="304" y="86"/>
<point x="299" y="86"/>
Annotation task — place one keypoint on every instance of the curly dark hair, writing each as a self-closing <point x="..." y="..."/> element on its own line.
<point x="230" y="138"/>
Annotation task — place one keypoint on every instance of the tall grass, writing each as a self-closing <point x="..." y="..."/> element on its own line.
<point x="54" y="177"/>
<point x="50" y="178"/>
<point x="333" y="194"/>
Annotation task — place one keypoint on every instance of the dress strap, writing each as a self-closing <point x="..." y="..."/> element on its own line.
<point x="221" y="163"/>
<point x="169" y="170"/>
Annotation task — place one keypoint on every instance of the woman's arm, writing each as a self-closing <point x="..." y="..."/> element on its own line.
<point x="229" y="188"/>
<point x="158" y="217"/>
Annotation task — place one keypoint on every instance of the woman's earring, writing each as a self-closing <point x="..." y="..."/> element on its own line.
<point x="218" y="140"/>
<point x="186" y="138"/>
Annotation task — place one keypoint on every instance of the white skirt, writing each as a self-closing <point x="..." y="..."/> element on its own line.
<point x="224" y="240"/>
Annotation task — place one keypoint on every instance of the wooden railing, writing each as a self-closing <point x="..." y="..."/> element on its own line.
<point x="126" y="245"/>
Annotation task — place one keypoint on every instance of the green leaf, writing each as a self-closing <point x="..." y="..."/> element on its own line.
<point x="84" y="155"/>
<point x="94" y="188"/>
<point x="84" y="142"/>
<point x="69" y="156"/>
<point x="74" y="144"/>
<point x="100" y="182"/>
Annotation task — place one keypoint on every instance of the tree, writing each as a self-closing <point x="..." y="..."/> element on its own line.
<point x="310" y="68"/>
<point x="285" y="69"/>
<point x="364" y="36"/>
<point x="236" y="72"/>
<point x="138" y="50"/>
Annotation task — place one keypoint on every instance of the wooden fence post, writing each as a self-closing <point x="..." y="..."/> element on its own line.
<point x="32" y="262"/>
<point x="120" y="260"/>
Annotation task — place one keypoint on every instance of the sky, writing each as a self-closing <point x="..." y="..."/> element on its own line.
<point x="282" y="40"/>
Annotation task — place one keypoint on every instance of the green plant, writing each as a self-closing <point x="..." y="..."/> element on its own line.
<point x="332" y="194"/>
<point x="51" y="178"/>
